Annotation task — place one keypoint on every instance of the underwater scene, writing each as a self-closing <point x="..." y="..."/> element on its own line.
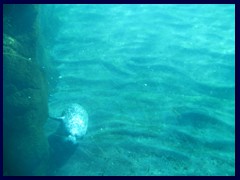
<point x="118" y="90"/>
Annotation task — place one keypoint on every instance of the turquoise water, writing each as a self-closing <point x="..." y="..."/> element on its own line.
<point x="157" y="81"/>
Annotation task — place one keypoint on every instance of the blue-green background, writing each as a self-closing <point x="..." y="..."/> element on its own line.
<point x="157" y="81"/>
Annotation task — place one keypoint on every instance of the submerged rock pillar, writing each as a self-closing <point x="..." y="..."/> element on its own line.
<point x="25" y="109"/>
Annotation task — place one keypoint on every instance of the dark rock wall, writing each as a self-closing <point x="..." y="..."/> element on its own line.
<point x="25" y="110"/>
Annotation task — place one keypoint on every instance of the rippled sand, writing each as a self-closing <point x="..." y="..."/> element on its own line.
<point x="157" y="83"/>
